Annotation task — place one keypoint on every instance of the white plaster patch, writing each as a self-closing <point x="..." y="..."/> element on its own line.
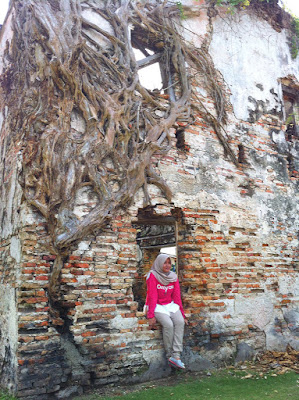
<point x="121" y="338"/>
<point x="289" y="284"/>
<point x="258" y="310"/>
<point x="29" y="216"/>
<point x="217" y="322"/>
<point x="6" y="37"/>
<point x="83" y="246"/>
<point x="123" y="323"/>
<point x="265" y="228"/>
<point x="8" y="322"/>
<point x="196" y="27"/>
<point x="8" y="226"/>
<point x="156" y="356"/>
<point x="201" y="199"/>
<point x="225" y="352"/>
<point x="278" y="138"/>
<point x="1" y="119"/>
<point x="15" y="249"/>
<point x="241" y="39"/>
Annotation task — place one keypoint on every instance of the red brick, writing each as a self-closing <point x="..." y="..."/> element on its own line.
<point x="42" y="278"/>
<point x="74" y="258"/>
<point x="41" y="337"/>
<point x="285" y="301"/>
<point x="87" y="334"/>
<point x="81" y="265"/>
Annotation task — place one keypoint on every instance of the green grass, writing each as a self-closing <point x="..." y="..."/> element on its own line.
<point x="222" y="385"/>
<point x="5" y="396"/>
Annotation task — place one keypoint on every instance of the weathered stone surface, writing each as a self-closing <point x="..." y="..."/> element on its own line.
<point x="69" y="393"/>
<point x="156" y="369"/>
<point x="244" y="352"/>
<point x="196" y="362"/>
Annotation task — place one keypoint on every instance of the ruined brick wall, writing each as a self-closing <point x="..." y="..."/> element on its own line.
<point x="237" y="246"/>
<point x="106" y="337"/>
<point x="237" y="256"/>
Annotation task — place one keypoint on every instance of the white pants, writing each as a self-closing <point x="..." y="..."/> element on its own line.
<point x="173" y="332"/>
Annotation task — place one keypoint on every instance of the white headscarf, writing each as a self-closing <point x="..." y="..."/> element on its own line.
<point x="157" y="270"/>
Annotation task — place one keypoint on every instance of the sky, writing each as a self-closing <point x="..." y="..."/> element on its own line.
<point x="292" y="5"/>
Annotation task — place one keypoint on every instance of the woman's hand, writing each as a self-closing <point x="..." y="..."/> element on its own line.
<point x="186" y="321"/>
<point x="152" y="322"/>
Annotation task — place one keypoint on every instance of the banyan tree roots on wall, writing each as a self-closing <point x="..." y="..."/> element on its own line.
<point x="75" y="100"/>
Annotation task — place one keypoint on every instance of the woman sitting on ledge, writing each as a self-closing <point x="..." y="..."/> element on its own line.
<point x="164" y="304"/>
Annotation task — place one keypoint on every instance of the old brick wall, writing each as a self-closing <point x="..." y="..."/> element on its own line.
<point x="238" y="252"/>
<point x="105" y="338"/>
<point x="237" y="259"/>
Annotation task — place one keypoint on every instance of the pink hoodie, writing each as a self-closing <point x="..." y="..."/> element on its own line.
<point x="162" y="294"/>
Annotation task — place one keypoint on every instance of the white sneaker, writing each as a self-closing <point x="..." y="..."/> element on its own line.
<point x="176" y="363"/>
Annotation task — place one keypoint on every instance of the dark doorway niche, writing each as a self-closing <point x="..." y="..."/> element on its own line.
<point x="180" y="137"/>
<point x="291" y="111"/>
<point x="291" y="116"/>
<point x="156" y="232"/>
<point x="241" y="154"/>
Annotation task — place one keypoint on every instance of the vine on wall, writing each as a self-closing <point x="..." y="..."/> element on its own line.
<point x="76" y="103"/>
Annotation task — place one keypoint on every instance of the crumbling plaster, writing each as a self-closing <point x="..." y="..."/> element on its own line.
<point x="8" y="336"/>
<point x="6" y="35"/>
<point x="11" y="249"/>
<point x="252" y="57"/>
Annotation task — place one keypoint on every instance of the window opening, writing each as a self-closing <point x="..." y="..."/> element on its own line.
<point x="149" y="69"/>
<point x="149" y="50"/>
<point x="154" y="235"/>
<point x="291" y="111"/>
